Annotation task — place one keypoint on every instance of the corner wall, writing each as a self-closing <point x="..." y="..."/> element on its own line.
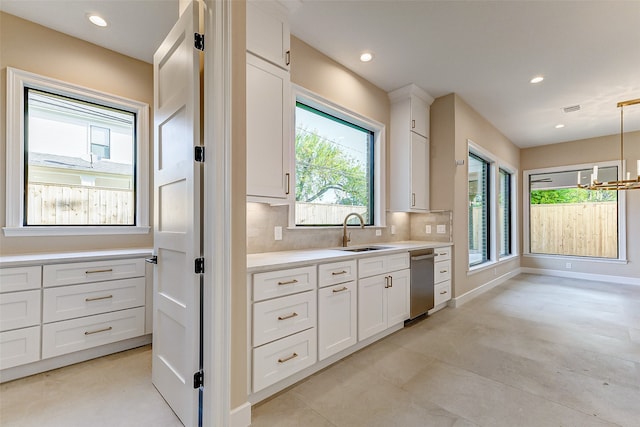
<point x="37" y="49"/>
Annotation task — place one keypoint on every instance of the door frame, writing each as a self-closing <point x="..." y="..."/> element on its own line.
<point x="217" y="213"/>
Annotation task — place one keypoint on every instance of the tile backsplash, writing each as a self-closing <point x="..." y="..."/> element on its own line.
<point x="263" y="218"/>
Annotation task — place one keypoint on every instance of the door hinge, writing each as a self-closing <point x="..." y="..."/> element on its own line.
<point x="199" y="153"/>
<point x="199" y="266"/>
<point x="198" y="379"/>
<point x="198" y="41"/>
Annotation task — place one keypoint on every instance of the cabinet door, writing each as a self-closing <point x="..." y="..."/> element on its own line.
<point x="398" y="297"/>
<point x="372" y="306"/>
<point x="337" y="318"/>
<point x="419" y="172"/>
<point x="268" y="32"/>
<point x="419" y="116"/>
<point x="267" y="129"/>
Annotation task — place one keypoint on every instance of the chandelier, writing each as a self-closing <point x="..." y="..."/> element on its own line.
<point x="628" y="183"/>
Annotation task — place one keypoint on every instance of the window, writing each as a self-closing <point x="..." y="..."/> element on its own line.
<point x="504" y="212"/>
<point x="74" y="159"/>
<point x="479" y="210"/>
<point x="337" y="172"/>
<point x="568" y="221"/>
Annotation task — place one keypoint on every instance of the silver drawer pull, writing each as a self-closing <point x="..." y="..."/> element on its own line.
<point x="98" y="331"/>
<point x="443" y="292"/>
<point x="108" y="270"/>
<point x="288" y="282"/>
<point x="443" y="271"/>
<point x="337" y="273"/>
<point x="442" y="253"/>
<point x="288" y="316"/>
<point x="286" y="359"/>
<point x="344" y="288"/>
<point x="98" y="298"/>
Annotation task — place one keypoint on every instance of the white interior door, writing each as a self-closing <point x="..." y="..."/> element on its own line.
<point x="176" y="316"/>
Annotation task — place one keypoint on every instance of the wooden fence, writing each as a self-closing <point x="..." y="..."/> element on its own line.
<point x="316" y="213"/>
<point x="580" y="229"/>
<point x="76" y="205"/>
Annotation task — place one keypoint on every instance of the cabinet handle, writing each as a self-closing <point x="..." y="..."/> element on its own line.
<point x="287" y="57"/>
<point x="391" y="281"/>
<point x="344" y="288"/>
<point x="98" y="298"/>
<point x="386" y="282"/>
<point x="442" y="253"/>
<point x="107" y="270"/>
<point x="443" y="271"/>
<point x="287" y="184"/>
<point x="288" y="316"/>
<point x="413" y="199"/>
<point x="286" y="359"/>
<point x="98" y="331"/>
<point x="413" y="124"/>
<point x="288" y="282"/>
<point x="337" y="273"/>
<point x="443" y="292"/>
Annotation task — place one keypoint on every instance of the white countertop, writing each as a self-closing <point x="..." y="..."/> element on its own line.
<point x="62" y="257"/>
<point x="274" y="260"/>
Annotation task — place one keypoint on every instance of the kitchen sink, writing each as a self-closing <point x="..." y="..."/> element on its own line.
<point x="365" y="249"/>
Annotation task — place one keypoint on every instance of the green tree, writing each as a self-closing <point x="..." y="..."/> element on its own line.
<point x="322" y="166"/>
<point x="571" y="195"/>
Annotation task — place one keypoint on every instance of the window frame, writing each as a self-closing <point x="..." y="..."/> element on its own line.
<point x="622" y="214"/>
<point x="313" y="100"/>
<point x="511" y="204"/>
<point x="495" y="165"/>
<point x="488" y="211"/>
<point x="17" y="81"/>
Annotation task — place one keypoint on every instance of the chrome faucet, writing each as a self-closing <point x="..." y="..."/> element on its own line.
<point x="346" y="238"/>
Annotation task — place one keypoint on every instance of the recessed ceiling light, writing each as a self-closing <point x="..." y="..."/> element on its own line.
<point x="559" y="126"/>
<point x="97" y="20"/>
<point x="366" y="56"/>
<point x="536" y="79"/>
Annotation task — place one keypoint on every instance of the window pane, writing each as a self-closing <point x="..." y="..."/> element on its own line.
<point x="478" y="210"/>
<point x="566" y="220"/>
<point x="334" y="169"/>
<point x="504" y="213"/>
<point x="79" y="162"/>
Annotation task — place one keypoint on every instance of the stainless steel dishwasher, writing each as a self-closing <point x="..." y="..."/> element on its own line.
<point x="421" y="282"/>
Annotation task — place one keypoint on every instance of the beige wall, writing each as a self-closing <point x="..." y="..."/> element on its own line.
<point x="588" y="151"/>
<point x="453" y="123"/>
<point x="37" y="49"/>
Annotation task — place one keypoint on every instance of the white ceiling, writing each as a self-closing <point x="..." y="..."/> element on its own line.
<point x="485" y="51"/>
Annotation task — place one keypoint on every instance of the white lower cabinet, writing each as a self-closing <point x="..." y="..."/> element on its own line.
<point x="277" y="318"/>
<point x="19" y="347"/>
<point x="337" y="318"/>
<point x="442" y="276"/>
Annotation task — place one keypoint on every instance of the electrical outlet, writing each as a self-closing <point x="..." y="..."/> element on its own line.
<point x="277" y="233"/>
<point x="568" y="266"/>
<point x="393" y="229"/>
<point x="378" y="232"/>
<point x="441" y="229"/>
<point x="427" y="229"/>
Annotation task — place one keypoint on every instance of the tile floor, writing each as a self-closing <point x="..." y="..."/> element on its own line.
<point x="535" y="351"/>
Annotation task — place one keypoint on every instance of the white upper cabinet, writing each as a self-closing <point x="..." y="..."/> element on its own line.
<point x="268" y="32"/>
<point x="409" y="154"/>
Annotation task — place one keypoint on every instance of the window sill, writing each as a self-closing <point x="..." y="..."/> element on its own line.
<point x="578" y="258"/>
<point x="335" y="227"/>
<point x="73" y="231"/>
<point x="490" y="264"/>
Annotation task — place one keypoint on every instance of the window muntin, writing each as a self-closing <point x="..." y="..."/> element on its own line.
<point x="504" y="213"/>
<point x="79" y="162"/>
<point x="568" y="221"/>
<point x="479" y="210"/>
<point x="334" y="168"/>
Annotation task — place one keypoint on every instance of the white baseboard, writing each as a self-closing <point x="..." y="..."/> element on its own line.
<point x="464" y="298"/>
<point x="241" y="416"/>
<point x="624" y="280"/>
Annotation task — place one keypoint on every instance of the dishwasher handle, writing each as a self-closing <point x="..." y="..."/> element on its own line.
<point x="421" y="257"/>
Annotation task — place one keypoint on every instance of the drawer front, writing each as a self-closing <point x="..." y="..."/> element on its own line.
<point x="442" y="292"/>
<point x="68" y="302"/>
<point x="284" y="316"/>
<point x="20" y="278"/>
<point x="442" y="271"/>
<point x="373" y="266"/>
<point x="337" y="272"/>
<point x="19" y="347"/>
<point x="79" y="334"/>
<point x="19" y="309"/>
<point x="283" y="282"/>
<point x="84" y="272"/>
<point x="278" y="360"/>
<point x="443" y="253"/>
